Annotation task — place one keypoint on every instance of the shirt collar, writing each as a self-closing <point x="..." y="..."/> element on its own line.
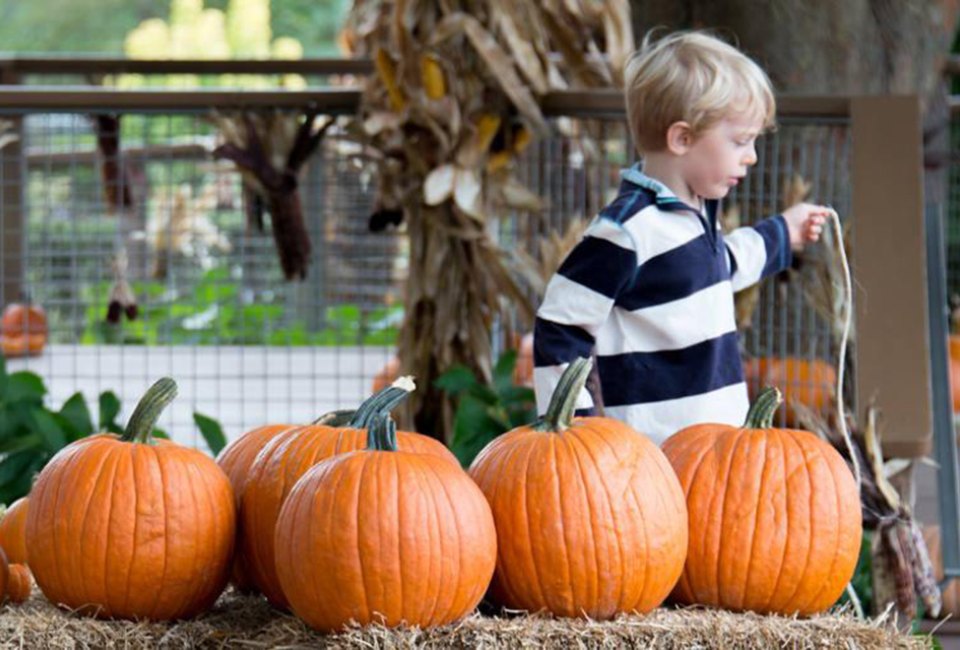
<point x="634" y="175"/>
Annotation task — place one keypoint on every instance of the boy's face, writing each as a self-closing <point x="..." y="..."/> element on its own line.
<point x="718" y="159"/>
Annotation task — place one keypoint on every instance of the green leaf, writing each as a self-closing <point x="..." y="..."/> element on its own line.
<point x="473" y="429"/>
<point x="458" y="379"/>
<point x="3" y="378"/>
<point x="25" y="385"/>
<point x="109" y="409"/>
<point x="503" y="370"/>
<point x="75" y="415"/>
<point x="160" y="433"/>
<point x="14" y="465"/>
<point x="19" y="443"/>
<point x="211" y="431"/>
<point x="45" y="424"/>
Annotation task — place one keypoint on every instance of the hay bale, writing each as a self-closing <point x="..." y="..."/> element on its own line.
<point x="246" y="622"/>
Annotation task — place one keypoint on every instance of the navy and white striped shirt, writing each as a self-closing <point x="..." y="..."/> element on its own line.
<point x="650" y="288"/>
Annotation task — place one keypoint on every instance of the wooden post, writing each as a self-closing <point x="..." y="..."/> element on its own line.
<point x="12" y="218"/>
<point x="892" y="335"/>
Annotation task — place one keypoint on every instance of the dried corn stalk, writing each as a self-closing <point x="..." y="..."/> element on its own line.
<point x="270" y="148"/>
<point x="439" y="119"/>
<point x="902" y="570"/>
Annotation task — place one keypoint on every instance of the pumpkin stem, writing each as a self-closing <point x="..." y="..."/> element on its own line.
<point x="141" y="423"/>
<point x="382" y="401"/>
<point x="339" y="418"/>
<point x="563" y="402"/>
<point x="760" y="415"/>
<point x="382" y="433"/>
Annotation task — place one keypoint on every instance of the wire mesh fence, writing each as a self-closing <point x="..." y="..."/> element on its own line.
<point x="213" y="309"/>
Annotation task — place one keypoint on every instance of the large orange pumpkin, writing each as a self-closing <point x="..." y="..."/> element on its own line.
<point x="386" y="536"/>
<point x="13" y="538"/>
<point x="288" y="456"/>
<point x="235" y="459"/>
<point x="775" y="521"/>
<point x="590" y="517"/>
<point x="132" y="527"/>
<point x="23" y="330"/>
<point x="809" y="382"/>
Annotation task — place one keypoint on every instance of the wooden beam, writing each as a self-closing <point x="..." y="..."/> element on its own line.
<point x="892" y="347"/>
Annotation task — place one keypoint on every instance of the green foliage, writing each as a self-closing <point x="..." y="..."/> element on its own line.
<point x="485" y="411"/>
<point x="31" y="434"/>
<point x="862" y="579"/>
<point x="213" y="312"/>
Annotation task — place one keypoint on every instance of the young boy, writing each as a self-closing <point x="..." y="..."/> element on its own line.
<point x="649" y="289"/>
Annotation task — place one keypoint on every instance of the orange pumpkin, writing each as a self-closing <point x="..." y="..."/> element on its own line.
<point x="386" y="375"/>
<point x="775" y="521"/>
<point x="132" y="527"/>
<point x="590" y="516"/>
<point x="20" y="583"/>
<point x="13" y="538"/>
<point x="809" y="382"/>
<point x="235" y="459"/>
<point x="287" y="457"/>
<point x="23" y="330"/>
<point x="955" y="371"/>
<point x="386" y="536"/>
<point x="523" y="372"/>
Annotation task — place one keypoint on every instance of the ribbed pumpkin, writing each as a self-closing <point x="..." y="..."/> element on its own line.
<point x="288" y="456"/>
<point x="132" y="527"/>
<point x="955" y="371"/>
<point x="235" y="459"/>
<point x="775" y="521"/>
<point x="19" y="583"/>
<point x="809" y="382"/>
<point x="23" y="329"/>
<point x="590" y="517"/>
<point x="384" y="536"/>
<point x="13" y="538"/>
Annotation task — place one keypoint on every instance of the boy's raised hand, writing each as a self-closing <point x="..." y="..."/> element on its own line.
<point x="805" y="223"/>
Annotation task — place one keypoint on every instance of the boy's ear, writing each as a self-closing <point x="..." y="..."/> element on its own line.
<point x="679" y="138"/>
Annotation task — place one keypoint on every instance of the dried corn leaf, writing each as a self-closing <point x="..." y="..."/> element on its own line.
<point x="512" y="25"/>
<point x="466" y="192"/>
<point x="502" y="70"/>
<point x="618" y="36"/>
<point x="471" y="152"/>
<point x="871" y="443"/>
<point x="511" y="193"/>
<point x="438" y="185"/>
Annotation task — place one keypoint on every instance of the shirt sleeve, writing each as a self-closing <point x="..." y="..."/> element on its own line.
<point x="758" y="251"/>
<point x="577" y="301"/>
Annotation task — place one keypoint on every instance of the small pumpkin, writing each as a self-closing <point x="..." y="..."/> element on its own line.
<point x="132" y="527"/>
<point x="809" y="382"/>
<point x="13" y="537"/>
<point x="384" y="536"/>
<point x="590" y="517"/>
<point x="20" y="584"/>
<point x="23" y="330"/>
<point x="288" y="456"/>
<point x="955" y="371"/>
<point x="235" y="459"/>
<point x="386" y="375"/>
<point x="775" y="519"/>
<point x="523" y="371"/>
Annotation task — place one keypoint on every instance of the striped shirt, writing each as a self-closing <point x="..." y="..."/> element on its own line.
<point x="650" y="289"/>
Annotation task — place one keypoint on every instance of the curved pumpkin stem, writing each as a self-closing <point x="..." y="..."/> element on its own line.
<point x="760" y="415"/>
<point x="148" y="410"/>
<point x="382" y="433"/>
<point x="382" y="401"/>
<point x="339" y="418"/>
<point x="563" y="402"/>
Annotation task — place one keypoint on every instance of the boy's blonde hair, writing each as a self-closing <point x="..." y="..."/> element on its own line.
<point x="692" y="77"/>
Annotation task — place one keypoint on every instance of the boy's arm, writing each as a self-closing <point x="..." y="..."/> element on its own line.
<point x="577" y="301"/>
<point x="756" y="251"/>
